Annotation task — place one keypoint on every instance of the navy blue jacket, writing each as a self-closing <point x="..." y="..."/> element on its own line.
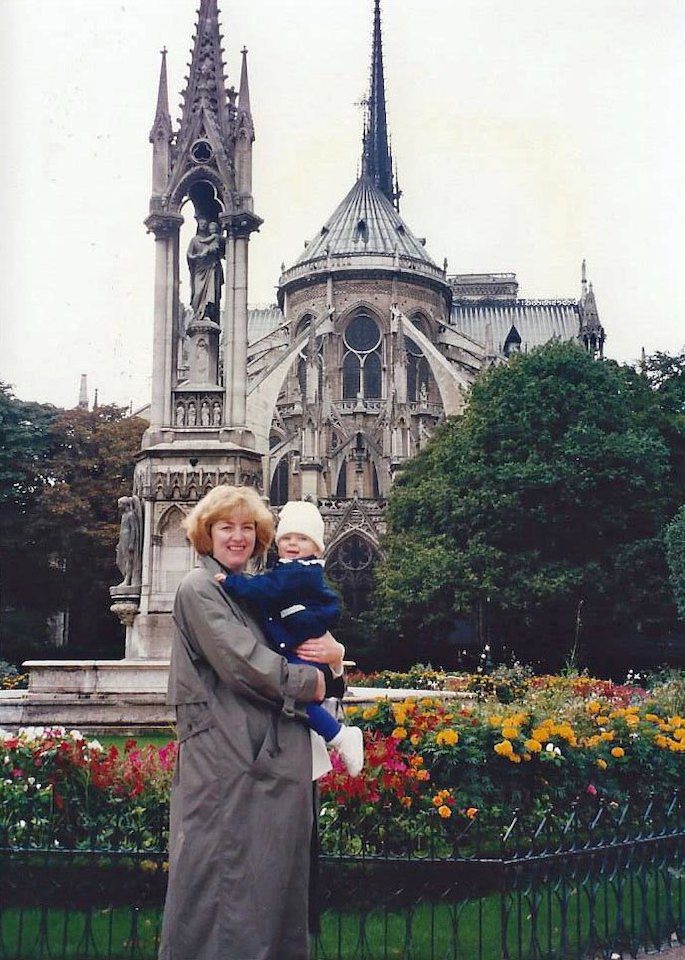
<point x="293" y="598"/>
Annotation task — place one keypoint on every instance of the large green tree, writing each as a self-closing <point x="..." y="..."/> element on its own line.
<point x="675" y="551"/>
<point x="59" y="538"/>
<point x="539" y="515"/>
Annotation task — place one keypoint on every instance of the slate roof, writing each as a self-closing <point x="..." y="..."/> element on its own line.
<point x="537" y="321"/>
<point x="262" y="320"/>
<point x="365" y="222"/>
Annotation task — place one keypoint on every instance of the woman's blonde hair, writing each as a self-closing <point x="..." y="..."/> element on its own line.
<point x="220" y="504"/>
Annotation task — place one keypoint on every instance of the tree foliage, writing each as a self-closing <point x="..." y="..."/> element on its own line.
<point x="60" y="525"/>
<point x="675" y="551"/>
<point x="539" y="513"/>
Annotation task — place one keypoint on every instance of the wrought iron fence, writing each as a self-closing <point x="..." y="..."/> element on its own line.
<point x="589" y="882"/>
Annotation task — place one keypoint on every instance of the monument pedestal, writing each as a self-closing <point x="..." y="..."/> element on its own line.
<point x="98" y="695"/>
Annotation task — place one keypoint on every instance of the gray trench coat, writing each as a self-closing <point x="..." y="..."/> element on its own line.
<point x="241" y="802"/>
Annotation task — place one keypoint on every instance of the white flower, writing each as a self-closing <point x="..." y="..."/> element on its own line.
<point x="557" y="752"/>
<point x="21" y="824"/>
<point x="94" y="745"/>
<point x="31" y="780"/>
<point x="76" y="735"/>
<point x="550" y="748"/>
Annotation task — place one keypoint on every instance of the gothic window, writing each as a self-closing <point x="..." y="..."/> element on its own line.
<point x="362" y="361"/>
<point x="513" y="342"/>
<point x="351" y="375"/>
<point x="341" y="489"/>
<point x="372" y="376"/>
<point x="278" y="494"/>
<point x="374" y="480"/>
<point x="350" y="567"/>
<point x="417" y="370"/>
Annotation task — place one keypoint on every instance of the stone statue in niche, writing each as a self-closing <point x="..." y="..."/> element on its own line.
<point x="192" y="414"/>
<point x="180" y="415"/>
<point x="216" y="414"/>
<point x="129" y="553"/>
<point x="205" y="252"/>
<point x="204" y="414"/>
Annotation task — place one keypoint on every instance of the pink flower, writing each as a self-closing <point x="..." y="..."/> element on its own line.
<point x="591" y="789"/>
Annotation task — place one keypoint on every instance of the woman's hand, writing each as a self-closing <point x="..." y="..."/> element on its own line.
<point x="325" y="649"/>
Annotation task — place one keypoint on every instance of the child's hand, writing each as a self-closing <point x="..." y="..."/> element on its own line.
<point x="219" y="577"/>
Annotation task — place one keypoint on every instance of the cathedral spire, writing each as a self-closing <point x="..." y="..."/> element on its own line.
<point x="205" y="83"/>
<point x="376" y="155"/>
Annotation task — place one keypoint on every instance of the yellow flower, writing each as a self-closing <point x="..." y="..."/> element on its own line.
<point x="504" y="748"/>
<point x="617" y="752"/>
<point x="448" y="737"/>
<point x="533" y="745"/>
<point x="511" y="733"/>
<point x="676" y="722"/>
<point x="660" y="740"/>
<point x="593" y="707"/>
<point x="494" y="721"/>
<point x="471" y="812"/>
<point x="540" y="733"/>
<point x="444" y="812"/>
<point x="370" y="713"/>
<point x="514" y="758"/>
<point x="607" y="735"/>
<point x="602" y="720"/>
<point x="405" y="801"/>
<point x="422" y="775"/>
<point x="602" y="764"/>
<point x="632" y="710"/>
<point x="399" y="733"/>
<point x="652" y="717"/>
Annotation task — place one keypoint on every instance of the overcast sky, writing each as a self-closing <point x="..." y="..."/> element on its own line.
<point x="528" y="135"/>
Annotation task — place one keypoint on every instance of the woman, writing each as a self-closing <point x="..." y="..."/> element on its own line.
<point x="241" y="802"/>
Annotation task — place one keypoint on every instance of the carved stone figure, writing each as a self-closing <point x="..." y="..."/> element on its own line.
<point x="129" y="551"/>
<point x="180" y="415"/>
<point x="205" y="252"/>
<point x="216" y="414"/>
<point x="204" y="414"/>
<point x="192" y="414"/>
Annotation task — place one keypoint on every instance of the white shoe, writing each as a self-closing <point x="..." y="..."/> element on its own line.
<point x="350" y="745"/>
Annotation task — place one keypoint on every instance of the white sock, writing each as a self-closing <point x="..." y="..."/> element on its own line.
<point x="349" y="743"/>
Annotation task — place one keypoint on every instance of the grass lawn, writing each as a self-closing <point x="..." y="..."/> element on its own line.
<point x="557" y="920"/>
<point x="157" y="739"/>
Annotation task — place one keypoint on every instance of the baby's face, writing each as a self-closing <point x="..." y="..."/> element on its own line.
<point x="291" y="546"/>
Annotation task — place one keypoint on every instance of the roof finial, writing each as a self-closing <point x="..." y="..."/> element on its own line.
<point x="161" y="125"/>
<point x="244" y="90"/>
<point x="376" y="157"/>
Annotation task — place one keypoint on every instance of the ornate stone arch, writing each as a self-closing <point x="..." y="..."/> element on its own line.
<point x="349" y="564"/>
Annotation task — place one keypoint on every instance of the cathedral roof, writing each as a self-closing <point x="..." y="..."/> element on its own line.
<point x="536" y="321"/>
<point x="365" y="222"/>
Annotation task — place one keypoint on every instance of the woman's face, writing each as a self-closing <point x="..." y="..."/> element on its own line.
<point x="233" y="541"/>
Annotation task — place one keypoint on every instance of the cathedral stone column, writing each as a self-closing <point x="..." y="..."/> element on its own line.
<point x="240" y="226"/>
<point x="166" y="230"/>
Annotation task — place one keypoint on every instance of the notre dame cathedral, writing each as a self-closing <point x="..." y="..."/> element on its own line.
<point x="325" y="394"/>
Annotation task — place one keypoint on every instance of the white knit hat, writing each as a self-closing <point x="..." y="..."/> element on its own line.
<point x="300" y="516"/>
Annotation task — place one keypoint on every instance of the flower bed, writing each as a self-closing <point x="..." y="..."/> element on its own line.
<point x="436" y="773"/>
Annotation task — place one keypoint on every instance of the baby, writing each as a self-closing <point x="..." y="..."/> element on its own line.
<point x="297" y="604"/>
